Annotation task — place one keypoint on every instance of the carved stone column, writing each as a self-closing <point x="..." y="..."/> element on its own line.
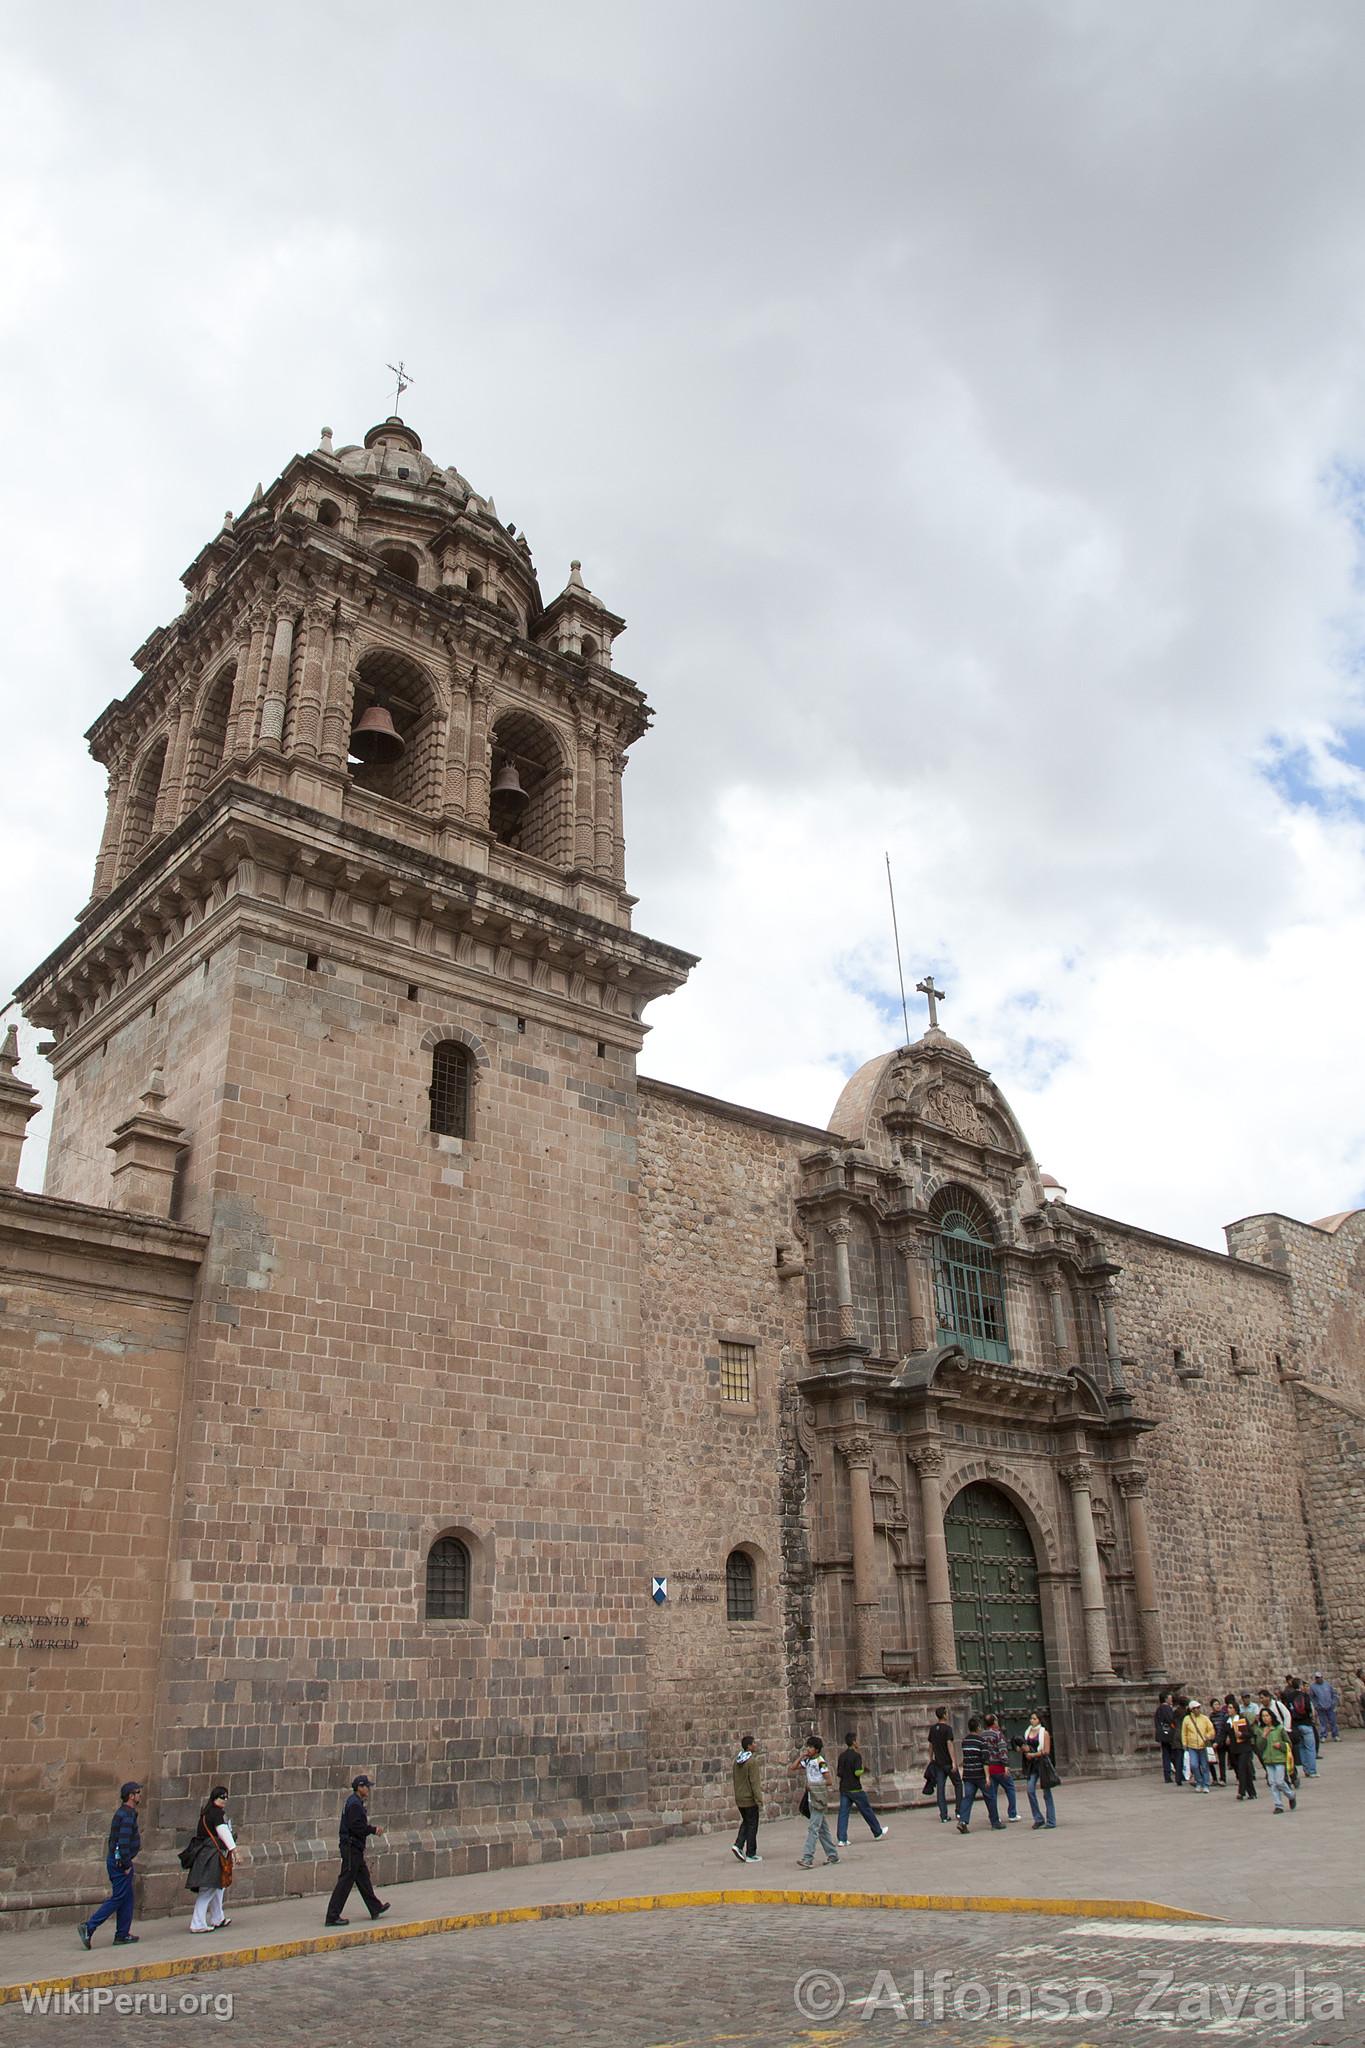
<point x="927" y="1460"/>
<point x="306" y="721"/>
<point x="604" y="807"/>
<point x="867" y="1607"/>
<point x="167" y="811"/>
<point x="839" y="1234"/>
<point x="618" y="826"/>
<point x="583" y="796"/>
<point x="478" y="765"/>
<point x="249" y="684"/>
<point x="1098" y="1654"/>
<point x="106" y="861"/>
<point x="336" y="696"/>
<point x="908" y="1247"/>
<point x="1132" y="1484"/>
<point x="277" y="681"/>
<point x="1117" y="1383"/>
<point x="457" y="749"/>
<point x="1054" y="1290"/>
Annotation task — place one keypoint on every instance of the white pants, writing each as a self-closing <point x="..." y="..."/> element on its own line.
<point x="208" y="1911"/>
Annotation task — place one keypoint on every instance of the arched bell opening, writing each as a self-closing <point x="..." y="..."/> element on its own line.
<point x="140" y="816"/>
<point x="530" y="805"/>
<point x="395" y="731"/>
<point x="208" y="740"/>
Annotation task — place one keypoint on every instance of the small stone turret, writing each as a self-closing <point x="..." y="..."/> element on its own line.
<point x="18" y="1102"/>
<point x="146" y="1147"/>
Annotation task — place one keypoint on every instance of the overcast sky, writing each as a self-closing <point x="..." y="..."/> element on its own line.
<point x="964" y="404"/>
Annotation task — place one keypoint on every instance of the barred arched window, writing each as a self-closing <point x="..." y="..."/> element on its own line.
<point x="448" y="1580"/>
<point x="740" y="1601"/>
<point x="452" y="1066"/>
<point x="969" y="1299"/>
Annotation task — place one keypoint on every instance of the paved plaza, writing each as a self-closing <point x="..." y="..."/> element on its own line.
<point x="1280" y="1957"/>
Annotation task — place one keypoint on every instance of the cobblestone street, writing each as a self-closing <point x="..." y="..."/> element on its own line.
<point x="689" y="1979"/>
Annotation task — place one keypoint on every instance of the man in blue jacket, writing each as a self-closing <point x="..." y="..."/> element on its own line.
<point x="356" y="1829"/>
<point x="124" y="1843"/>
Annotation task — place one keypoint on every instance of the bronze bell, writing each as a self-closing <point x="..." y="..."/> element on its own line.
<point x="508" y="795"/>
<point x="375" y="739"/>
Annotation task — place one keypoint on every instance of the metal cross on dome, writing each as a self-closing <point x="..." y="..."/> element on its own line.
<point x="404" y="381"/>
<point x="935" y="996"/>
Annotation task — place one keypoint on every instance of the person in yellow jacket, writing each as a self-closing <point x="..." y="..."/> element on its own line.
<point x="1196" y="1736"/>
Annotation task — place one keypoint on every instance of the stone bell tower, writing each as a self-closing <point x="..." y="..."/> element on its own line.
<point x="360" y="908"/>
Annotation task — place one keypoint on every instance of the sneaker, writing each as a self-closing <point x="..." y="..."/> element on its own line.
<point x="881" y="1834"/>
<point x="843" y="1848"/>
<point x="963" y="1828"/>
<point x="1040" y="1824"/>
<point x="803" y="1865"/>
<point x="737" y="1852"/>
<point x="84" y="1933"/>
<point x="1293" y="1802"/>
<point x="126" y="1940"/>
<point x="998" y="1827"/>
<point x="831" y="1859"/>
<point x="753" y="1859"/>
<point x="336" y="1923"/>
<point x="1013" y="1816"/>
<point x="1275" y="1812"/>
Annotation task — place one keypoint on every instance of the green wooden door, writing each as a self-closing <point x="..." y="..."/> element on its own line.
<point x="997" y="1620"/>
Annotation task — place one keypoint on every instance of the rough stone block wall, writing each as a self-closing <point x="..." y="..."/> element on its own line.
<point x="1333" y="1434"/>
<point x="93" y="1326"/>
<point x="716" y="1202"/>
<point x="1226" y="1466"/>
<point x="402" y="1335"/>
<point x="1327" y="1271"/>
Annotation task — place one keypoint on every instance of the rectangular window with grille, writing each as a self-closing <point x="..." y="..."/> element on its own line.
<point x="736" y="1372"/>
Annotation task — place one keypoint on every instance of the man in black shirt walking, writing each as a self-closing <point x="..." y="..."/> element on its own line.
<point x="943" y="1761"/>
<point x="356" y="1829"/>
<point x="851" y="1792"/>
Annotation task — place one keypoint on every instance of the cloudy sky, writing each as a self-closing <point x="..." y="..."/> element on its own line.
<point x="965" y="406"/>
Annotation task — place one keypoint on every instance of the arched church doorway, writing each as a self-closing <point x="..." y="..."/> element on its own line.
<point x="997" y="1618"/>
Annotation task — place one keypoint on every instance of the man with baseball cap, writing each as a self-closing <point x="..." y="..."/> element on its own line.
<point x="356" y="1829"/>
<point x="124" y="1843"/>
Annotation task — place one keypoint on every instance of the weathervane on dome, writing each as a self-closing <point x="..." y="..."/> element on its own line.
<point x="935" y="996"/>
<point x="404" y="380"/>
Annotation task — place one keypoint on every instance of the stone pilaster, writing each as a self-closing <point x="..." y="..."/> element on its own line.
<point x="856" y="1451"/>
<point x="1132" y="1484"/>
<point x="839" y="1233"/>
<point x="145" y="1148"/>
<point x="1098" y="1653"/>
<point x="1061" y="1347"/>
<point x="277" y="681"/>
<point x="306" y="718"/>
<point x="915" y="1292"/>
<point x="1117" y="1383"/>
<point x="603" y="806"/>
<point x="927" y="1460"/>
<point x="336" y="697"/>
<point x="583" y="795"/>
<point x="244" y="735"/>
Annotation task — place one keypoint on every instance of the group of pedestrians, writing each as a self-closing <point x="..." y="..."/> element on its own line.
<point x="1283" y="1732"/>
<point x="207" y="1859"/>
<point x="982" y="1772"/>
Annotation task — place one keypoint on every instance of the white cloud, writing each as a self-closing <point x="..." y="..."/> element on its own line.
<point x="955" y="400"/>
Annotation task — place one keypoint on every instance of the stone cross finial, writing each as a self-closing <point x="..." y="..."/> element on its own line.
<point x="935" y="996"/>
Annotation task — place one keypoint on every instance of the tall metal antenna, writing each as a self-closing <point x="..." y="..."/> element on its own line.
<point x="404" y="380"/>
<point x="895" y="932"/>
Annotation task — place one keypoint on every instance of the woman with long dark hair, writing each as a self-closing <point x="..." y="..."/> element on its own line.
<point x="210" y="1870"/>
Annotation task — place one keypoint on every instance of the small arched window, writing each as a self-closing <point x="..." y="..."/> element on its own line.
<point x="591" y="650"/>
<point x="448" y="1580"/>
<point x="452" y="1066"/>
<point x="399" y="562"/>
<point x="474" y="582"/>
<point x="329" y="513"/>
<point x="740" y="1590"/>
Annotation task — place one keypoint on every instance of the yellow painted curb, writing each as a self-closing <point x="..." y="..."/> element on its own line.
<point x="575" y="1909"/>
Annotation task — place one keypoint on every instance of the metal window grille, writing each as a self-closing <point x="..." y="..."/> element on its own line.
<point x="739" y="1587"/>
<point x="969" y="1300"/>
<point x="448" y="1580"/>
<point x="449" y="1091"/>
<point x="737" y="1372"/>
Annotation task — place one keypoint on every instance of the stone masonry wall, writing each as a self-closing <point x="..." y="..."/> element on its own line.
<point x="404" y="1335"/>
<point x="93" y="1318"/>
<point x="1333" y="1435"/>
<point x="1226" y="1466"/>
<point x="1327" y="1272"/>
<point x="716" y="1192"/>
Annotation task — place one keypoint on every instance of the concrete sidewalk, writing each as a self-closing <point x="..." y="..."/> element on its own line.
<point x="1118" y="1847"/>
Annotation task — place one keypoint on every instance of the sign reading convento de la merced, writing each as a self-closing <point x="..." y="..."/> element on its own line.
<point x="394" y="1381"/>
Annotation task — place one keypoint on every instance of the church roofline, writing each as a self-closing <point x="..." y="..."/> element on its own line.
<point x="1179" y="1244"/>
<point x="736" y="1112"/>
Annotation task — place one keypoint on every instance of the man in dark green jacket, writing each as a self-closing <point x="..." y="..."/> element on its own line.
<point x="748" y="1782"/>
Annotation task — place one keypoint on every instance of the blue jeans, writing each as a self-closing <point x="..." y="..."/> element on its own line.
<point x="1306" y="1750"/>
<point x="1034" y="1808"/>
<point x="946" y="1777"/>
<point x="970" y="1788"/>
<point x="1006" y="1785"/>
<point x="120" y="1901"/>
<point x="1279" y="1786"/>
<point x="1328" y="1718"/>
<point x="1199" y="1768"/>
<point x="818" y="1831"/>
<point x="856" y="1801"/>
